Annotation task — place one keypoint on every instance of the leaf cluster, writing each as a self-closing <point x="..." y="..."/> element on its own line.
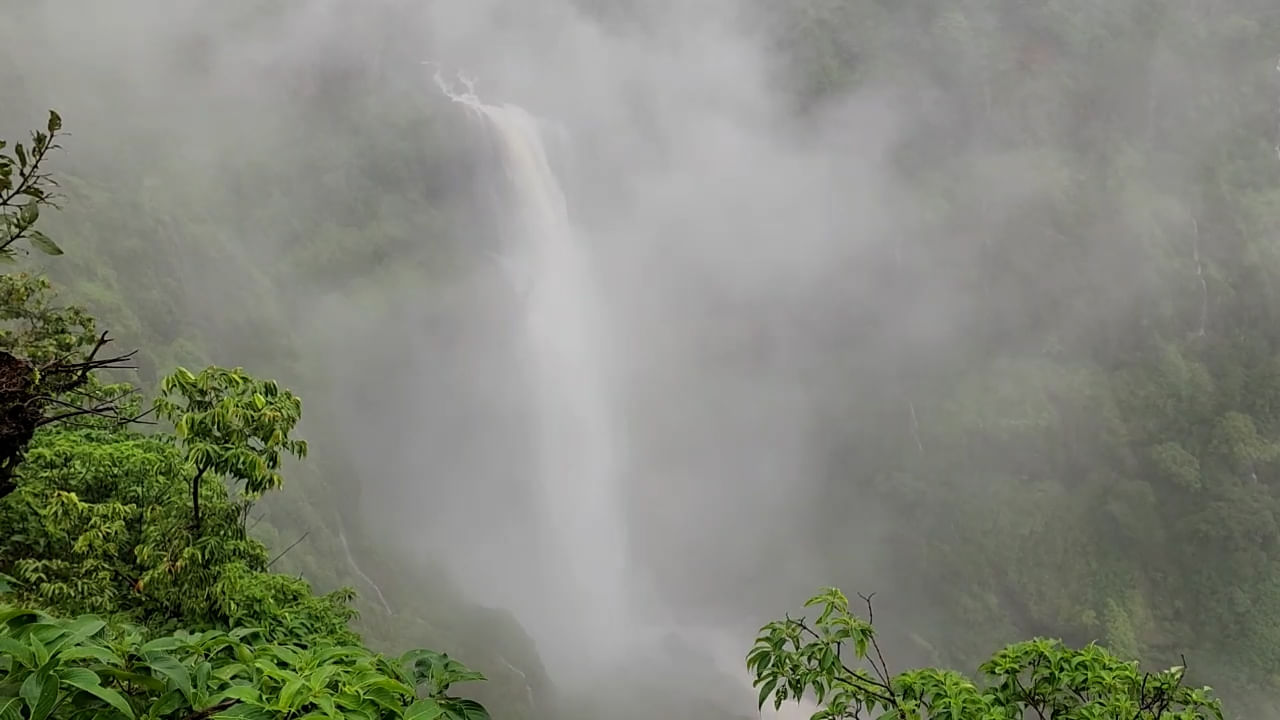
<point x="1040" y="678"/>
<point x="25" y="187"/>
<point x="86" y="668"/>
<point x="232" y="424"/>
<point x="99" y="523"/>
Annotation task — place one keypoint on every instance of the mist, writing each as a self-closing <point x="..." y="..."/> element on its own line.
<point x="798" y="288"/>
<point x="719" y="232"/>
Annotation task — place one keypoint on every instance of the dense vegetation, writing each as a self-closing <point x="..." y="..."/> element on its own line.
<point x="794" y="657"/>
<point x="133" y="587"/>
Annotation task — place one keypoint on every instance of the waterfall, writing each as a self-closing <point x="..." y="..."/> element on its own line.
<point x="594" y="598"/>
<point x="351" y="560"/>
<point x="576" y="474"/>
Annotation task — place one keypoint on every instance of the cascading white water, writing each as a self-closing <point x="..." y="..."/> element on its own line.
<point x="593" y="596"/>
<point x="351" y="560"/>
<point x="578" y="470"/>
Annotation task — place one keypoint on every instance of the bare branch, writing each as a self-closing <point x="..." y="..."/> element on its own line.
<point x="883" y="670"/>
<point x="292" y="546"/>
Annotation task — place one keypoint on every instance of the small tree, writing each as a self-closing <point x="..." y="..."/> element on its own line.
<point x="232" y="425"/>
<point x="25" y="187"/>
<point x="1039" y="678"/>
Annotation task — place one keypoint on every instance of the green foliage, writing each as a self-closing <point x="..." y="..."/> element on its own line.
<point x="84" y="667"/>
<point x="232" y="425"/>
<point x="25" y="188"/>
<point x="98" y="523"/>
<point x="793" y="657"/>
<point x="63" y="346"/>
<point x="36" y="328"/>
<point x="95" y="517"/>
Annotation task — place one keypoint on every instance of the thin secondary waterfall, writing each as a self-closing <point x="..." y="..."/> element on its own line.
<point x="577" y="473"/>
<point x="351" y="560"/>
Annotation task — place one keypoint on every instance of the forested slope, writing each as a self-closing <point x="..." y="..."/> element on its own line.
<point x="1092" y="451"/>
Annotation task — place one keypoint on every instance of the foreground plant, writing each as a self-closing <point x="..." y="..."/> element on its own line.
<point x="232" y="425"/>
<point x="86" y="668"/>
<point x="1038" y="678"/>
<point x="25" y="188"/>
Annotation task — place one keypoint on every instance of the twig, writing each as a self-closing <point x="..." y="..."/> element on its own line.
<point x="33" y="171"/>
<point x="875" y="644"/>
<point x="1030" y="697"/>
<point x="295" y="544"/>
<point x="212" y="710"/>
<point x="107" y="412"/>
<point x="881" y="691"/>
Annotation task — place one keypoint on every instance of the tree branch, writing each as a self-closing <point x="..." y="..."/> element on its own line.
<point x="882" y="691"/>
<point x="212" y="710"/>
<point x="292" y="546"/>
<point x="32" y="175"/>
<point x="106" y="410"/>
<point x="875" y="644"/>
<point x="195" y="499"/>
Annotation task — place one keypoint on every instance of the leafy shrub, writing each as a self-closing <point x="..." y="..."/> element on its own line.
<point x="52" y="669"/>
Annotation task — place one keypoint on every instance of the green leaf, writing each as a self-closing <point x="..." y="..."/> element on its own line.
<point x="424" y="710"/>
<point x="174" y="671"/>
<point x="464" y="709"/>
<point x="39" y="650"/>
<point x="42" y="243"/>
<point x="766" y="690"/>
<point x="29" y="213"/>
<point x="162" y="644"/>
<point x="170" y="703"/>
<point x="152" y="684"/>
<point x="242" y="633"/>
<point x="89" y="682"/>
<point x="40" y="691"/>
<point x="21" y="652"/>
<point x="287" y="694"/>
<point x="78" y="630"/>
<point x="243" y="693"/>
<point x="10" y="708"/>
<point x="90" y="652"/>
<point x="203" y="671"/>
<point x="55" y="122"/>
<point x="288" y="655"/>
<point x="247" y="712"/>
<point x="326" y="704"/>
<point x="226" y="672"/>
